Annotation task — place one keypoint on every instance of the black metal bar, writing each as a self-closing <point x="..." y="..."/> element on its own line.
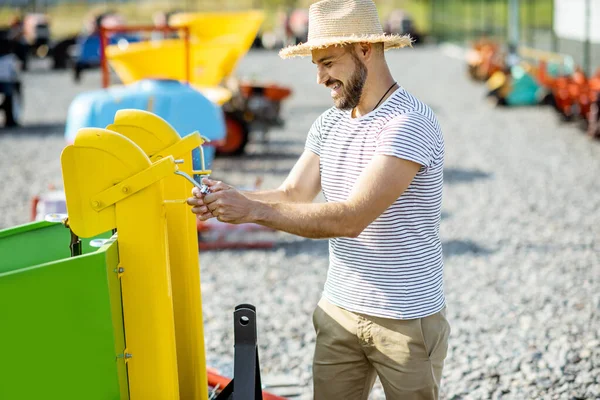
<point x="246" y="383"/>
<point x="246" y="368"/>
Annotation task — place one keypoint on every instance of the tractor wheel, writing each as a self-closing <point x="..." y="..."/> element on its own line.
<point x="236" y="137"/>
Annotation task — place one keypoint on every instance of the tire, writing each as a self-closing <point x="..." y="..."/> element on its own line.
<point x="236" y="138"/>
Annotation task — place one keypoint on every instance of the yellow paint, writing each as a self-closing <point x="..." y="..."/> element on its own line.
<point x="181" y="146"/>
<point x="156" y="172"/>
<point x="98" y="160"/>
<point x="161" y="141"/>
<point x="217" y="42"/>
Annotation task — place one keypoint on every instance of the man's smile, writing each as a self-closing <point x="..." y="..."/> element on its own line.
<point x="335" y="88"/>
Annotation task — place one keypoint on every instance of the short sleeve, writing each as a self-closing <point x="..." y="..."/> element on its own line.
<point x="314" y="138"/>
<point x="410" y="136"/>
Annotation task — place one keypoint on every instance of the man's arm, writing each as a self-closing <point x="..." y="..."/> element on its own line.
<point x="302" y="184"/>
<point x="380" y="184"/>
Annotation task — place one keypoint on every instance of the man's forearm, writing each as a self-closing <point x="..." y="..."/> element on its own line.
<point x="312" y="220"/>
<point x="274" y="196"/>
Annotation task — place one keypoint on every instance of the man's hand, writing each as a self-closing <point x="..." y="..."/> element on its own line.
<point x="223" y="202"/>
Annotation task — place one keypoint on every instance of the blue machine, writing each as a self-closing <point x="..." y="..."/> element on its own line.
<point x="525" y="89"/>
<point x="185" y="108"/>
<point x="88" y="50"/>
<point x="89" y="46"/>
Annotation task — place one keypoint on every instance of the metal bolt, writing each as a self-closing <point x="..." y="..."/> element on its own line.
<point x="96" y="204"/>
<point x="121" y="270"/>
<point x="125" y="189"/>
<point x="128" y="355"/>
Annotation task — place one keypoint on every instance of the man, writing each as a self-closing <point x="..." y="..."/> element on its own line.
<point x="378" y="158"/>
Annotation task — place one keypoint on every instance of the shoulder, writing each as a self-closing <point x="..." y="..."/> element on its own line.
<point x="329" y="115"/>
<point x="406" y="112"/>
<point x="326" y="120"/>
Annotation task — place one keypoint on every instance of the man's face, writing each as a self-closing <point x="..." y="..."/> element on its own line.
<point x="340" y="70"/>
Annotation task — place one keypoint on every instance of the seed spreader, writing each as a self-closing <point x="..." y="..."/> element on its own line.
<point x="104" y="302"/>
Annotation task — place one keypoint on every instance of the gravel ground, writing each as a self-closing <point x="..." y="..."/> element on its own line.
<point x="520" y="230"/>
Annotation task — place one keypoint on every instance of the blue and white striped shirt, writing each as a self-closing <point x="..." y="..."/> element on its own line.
<point x="394" y="268"/>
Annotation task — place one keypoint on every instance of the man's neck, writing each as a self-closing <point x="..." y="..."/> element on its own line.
<point x="375" y="87"/>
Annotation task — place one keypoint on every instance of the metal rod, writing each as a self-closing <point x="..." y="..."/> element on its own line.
<point x="103" y="62"/>
<point x="484" y="22"/>
<point x="588" y="44"/>
<point x="203" y="188"/>
<point x="432" y="27"/>
<point x="186" y="33"/>
<point x="531" y="27"/>
<point x="554" y="37"/>
<point x="513" y="26"/>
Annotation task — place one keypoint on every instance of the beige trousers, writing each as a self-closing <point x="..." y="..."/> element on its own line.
<point x="353" y="349"/>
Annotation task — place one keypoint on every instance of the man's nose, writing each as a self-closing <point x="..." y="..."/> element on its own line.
<point x="322" y="77"/>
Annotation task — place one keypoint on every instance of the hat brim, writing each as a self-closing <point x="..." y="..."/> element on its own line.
<point x="305" y="49"/>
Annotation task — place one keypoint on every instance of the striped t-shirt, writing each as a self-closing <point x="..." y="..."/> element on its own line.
<point x="394" y="268"/>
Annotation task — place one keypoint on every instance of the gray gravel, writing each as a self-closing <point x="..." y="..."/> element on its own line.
<point x="520" y="228"/>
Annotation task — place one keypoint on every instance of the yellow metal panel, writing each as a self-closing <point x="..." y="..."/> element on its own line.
<point x="183" y="247"/>
<point x="166" y="60"/>
<point x="98" y="160"/>
<point x="229" y="30"/>
<point x="158" y="171"/>
<point x="108" y="158"/>
<point x="142" y="127"/>
<point x="217" y="42"/>
<point x="181" y="147"/>
<point x="147" y="296"/>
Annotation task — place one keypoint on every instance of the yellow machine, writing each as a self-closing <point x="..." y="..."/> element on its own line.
<point x="217" y="41"/>
<point x="111" y="308"/>
<point x="125" y="178"/>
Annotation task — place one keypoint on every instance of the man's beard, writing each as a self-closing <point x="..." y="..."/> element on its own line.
<point x="352" y="90"/>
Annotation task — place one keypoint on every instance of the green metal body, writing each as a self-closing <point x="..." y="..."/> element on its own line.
<point x="61" y="335"/>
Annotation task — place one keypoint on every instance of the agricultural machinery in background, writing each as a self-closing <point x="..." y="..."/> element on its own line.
<point x="537" y="78"/>
<point x="203" y="51"/>
<point x="183" y="74"/>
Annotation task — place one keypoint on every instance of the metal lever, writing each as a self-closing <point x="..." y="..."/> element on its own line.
<point x="203" y="188"/>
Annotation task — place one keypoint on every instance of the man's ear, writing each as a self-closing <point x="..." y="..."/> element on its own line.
<point x="366" y="50"/>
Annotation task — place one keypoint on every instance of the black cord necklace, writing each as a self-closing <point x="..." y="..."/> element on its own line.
<point x="394" y="84"/>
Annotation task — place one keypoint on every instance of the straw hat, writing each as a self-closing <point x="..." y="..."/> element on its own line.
<point x="341" y="22"/>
